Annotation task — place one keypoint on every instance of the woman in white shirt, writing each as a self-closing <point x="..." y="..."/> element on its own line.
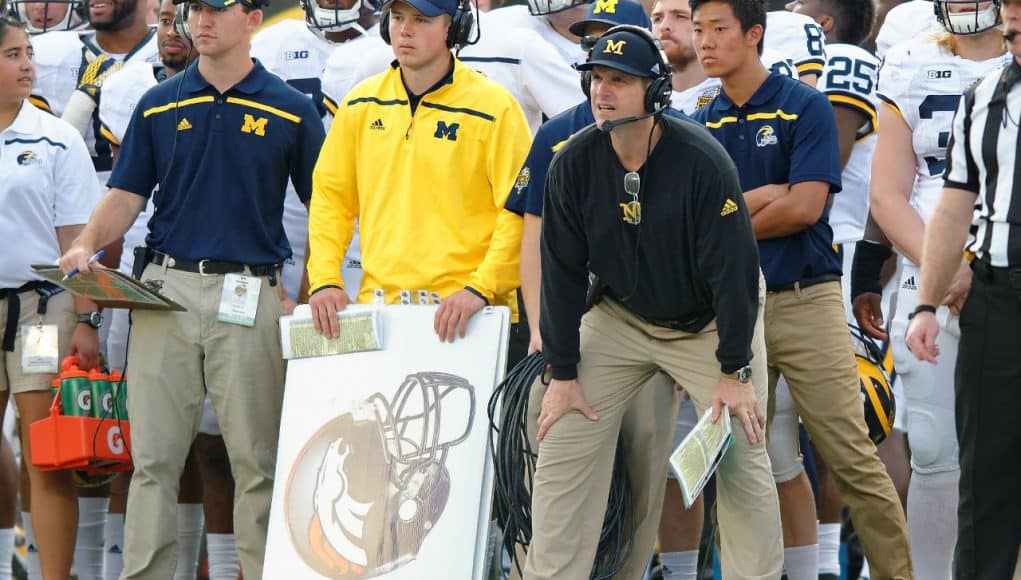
<point x="47" y="192"/>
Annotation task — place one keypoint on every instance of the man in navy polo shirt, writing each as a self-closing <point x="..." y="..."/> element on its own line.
<point x="220" y="139"/>
<point x="782" y="136"/>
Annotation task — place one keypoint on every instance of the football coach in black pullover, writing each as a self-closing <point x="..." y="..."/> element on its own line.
<point x="652" y="206"/>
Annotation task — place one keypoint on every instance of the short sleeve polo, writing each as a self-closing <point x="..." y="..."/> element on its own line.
<point x="785" y="134"/>
<point x="222" y="162"/>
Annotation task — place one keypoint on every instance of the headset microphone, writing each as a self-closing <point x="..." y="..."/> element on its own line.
<point x="608" y="126"/>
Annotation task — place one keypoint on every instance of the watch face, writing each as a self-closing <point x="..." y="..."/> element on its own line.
<point x="744" y="374"/>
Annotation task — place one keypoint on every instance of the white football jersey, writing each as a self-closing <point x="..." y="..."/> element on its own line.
<point x="121" y="92"/>
<point x="60" y="57"/>
<point x="365" y="55"/>
<point x="799" y="37"/>
<point x="905" y="22"/>
<point x="694" y="98"/>
<point x="849" y="80"/>
<point x="924" y="83"/>
<point x="518" y="16"/>
<point x="297" y="55"/>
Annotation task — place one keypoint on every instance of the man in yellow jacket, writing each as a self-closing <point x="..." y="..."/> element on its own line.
<point x="424" y="156"/>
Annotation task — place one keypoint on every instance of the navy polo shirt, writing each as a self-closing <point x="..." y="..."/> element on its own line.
<point x="785" y="134"/>
<point x="222" y="162"/>
<point x="526" y="197"/>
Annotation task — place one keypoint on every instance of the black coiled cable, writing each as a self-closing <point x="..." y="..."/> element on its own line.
<point x="514" y="466"/>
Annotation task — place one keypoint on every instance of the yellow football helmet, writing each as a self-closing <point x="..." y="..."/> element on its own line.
<point x="875" y="377"/>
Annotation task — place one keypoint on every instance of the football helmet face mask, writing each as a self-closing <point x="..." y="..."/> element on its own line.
<point x="377" y="477"/>
<point x="543" y="7"/>
<point x="42" y="16"/>
<point x="875" y="372"/>
<point x="967" y="17"/>
<point x="321" y="20"/>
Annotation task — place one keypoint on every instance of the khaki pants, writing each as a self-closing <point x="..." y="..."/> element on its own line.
<point x="620" y="353"/>
<point x="174" y="358"/>
<point x="60" y="312"/>
<point x="807" y="341"/>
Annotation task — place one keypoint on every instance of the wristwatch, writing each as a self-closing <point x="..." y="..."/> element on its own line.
<point x="93" y="319"/>
<point x="743" y="374"/>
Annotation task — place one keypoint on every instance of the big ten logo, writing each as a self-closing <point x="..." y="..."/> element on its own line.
<point x="253" y="125"/>
<point x="935" y="74"/>
<point x="296" y="55"/>
<point x="614" y="47"/>
<point x="115" y="440"/>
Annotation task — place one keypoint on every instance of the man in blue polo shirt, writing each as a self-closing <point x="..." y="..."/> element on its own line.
<point x="220" y="140"/>
<point x="783" y="138"/>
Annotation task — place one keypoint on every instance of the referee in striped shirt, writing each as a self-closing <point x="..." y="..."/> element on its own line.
<point x="982" y="185"/>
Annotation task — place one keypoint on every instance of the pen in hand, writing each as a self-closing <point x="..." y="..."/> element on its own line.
<point x="74" y="271"/>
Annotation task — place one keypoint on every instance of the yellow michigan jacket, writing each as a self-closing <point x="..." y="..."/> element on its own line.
<point x="427" y="188"/>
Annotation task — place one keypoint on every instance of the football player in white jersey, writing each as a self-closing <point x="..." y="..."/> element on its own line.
<point x="799" y="37"/>
<point x="552" y="20"/>
<point x="52" y="15"/>
<point x="904" y="22"/>
<point x="297" y="52"/>
<point x="920" y="83"/>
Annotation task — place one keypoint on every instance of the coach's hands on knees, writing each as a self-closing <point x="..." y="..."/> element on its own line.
<point x="325" y="304"/>
<point x="743" y="404"/>
<point x="561" y="398"/>
<point x="452" y="316"/>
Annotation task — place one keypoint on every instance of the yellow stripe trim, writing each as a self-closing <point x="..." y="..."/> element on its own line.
<point x="105" y="132"/>
<point x="878" y="405"/>
<point x="178" y="104"/>
<point x="559" y="146"/>
<point x="723" y="121"/>
<point x="865" y="106"/>
<point x="809" y="67"/>
<point x="266" y="108"/>
<point x="40" y="103"/>
<point x="330" y="105"/>
<point x="778" y="113"/>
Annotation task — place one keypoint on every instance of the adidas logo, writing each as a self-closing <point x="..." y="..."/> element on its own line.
<point x="909" y="284"/>
<point x="184" y="125"/>
<point x="115" y="549"/>
<point x="377" y="125"/>
<point x="729" y="207"/>
<point x="32" y="548"/>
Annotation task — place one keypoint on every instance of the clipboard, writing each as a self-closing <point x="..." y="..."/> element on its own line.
<point x="109" y="289"/>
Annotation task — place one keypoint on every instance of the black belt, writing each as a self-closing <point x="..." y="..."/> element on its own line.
<point x="45" y="291"/>
<point x="803" y="283"/>
<point x="1009" y="277"/>
<point x="214" y="267"/>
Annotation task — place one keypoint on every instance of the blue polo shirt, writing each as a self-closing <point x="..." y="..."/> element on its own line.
<point x="526" y="197"/>
<point x="785" y="134"/>
<point x="222" y="162"/>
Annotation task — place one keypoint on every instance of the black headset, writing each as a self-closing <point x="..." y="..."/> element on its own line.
<point x="181" y="20"/>
<point x="657" y="96"/>
<point x="461" y="25"/>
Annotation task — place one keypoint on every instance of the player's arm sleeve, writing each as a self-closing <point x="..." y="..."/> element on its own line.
<point x="815" y="155"/>
<point x="334" y="205"/>
<point x="813" y="58"/>
<point x="848" y="91"/>
<point x="136" y="169"/>
<point x="77" y="189"/>
<point x="498" y="273"/>
<point x="344" y="70"/>
<point x="526" y="195"/>
<point x="549" y="80"/>
<point x="728" y="257"/>
<point x="893" y="83"/>
<point x="304" y="155"/>
<point x="961" y="171"/>
<point x="564" y="251"/>
<point x="110" y="124"/>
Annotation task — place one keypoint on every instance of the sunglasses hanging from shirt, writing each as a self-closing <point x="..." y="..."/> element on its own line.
<point x="633" y="208"/>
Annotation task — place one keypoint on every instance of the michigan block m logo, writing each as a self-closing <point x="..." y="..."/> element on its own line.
<point x="448" y="131"/>
<point x="605" y="6"/>
<point x="253" y="125"/>
<point x="614" y="47"/>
